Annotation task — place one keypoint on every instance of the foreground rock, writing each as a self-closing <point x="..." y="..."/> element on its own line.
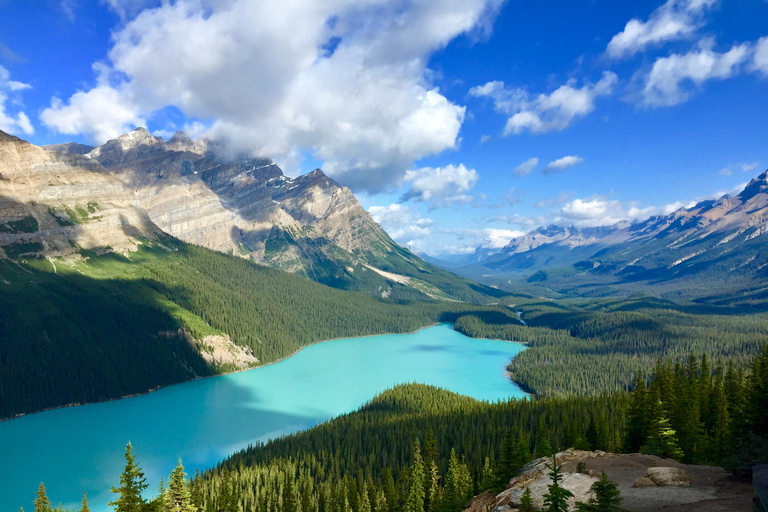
<point x="668" y="484"/>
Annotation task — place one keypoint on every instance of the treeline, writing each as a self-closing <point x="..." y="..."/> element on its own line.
<point x="702" y="415"/>
<point x="583" y="348"/>
<point x="109" y="326"/>
<point x="368" y="460"/>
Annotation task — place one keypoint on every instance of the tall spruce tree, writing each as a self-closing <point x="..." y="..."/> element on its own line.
<point x="415" y="502"/>
<point x="132" y="483"/>
<point x="42" y="503"/>
<point x="84" y="504"/>
<point x="178" y="497"/>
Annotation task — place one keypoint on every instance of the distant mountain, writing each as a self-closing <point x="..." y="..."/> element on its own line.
<point x="714" y="251"/>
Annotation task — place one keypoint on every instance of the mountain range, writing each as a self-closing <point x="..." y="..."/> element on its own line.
<point x="713" y="251"/>
<point x="61" y="199"/>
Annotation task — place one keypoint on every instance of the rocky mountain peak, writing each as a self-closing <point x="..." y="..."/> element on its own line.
<point x="127" y="146"/>
<point x="182" y="142"/>
<point x="757" y="186"/>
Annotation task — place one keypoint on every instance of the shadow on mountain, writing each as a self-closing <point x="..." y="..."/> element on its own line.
<point x="69" y="338"/>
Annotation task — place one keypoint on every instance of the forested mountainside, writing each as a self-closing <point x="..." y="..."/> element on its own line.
<point x="594" y="346"/>
<point x="96" y="327"/>
<point x="713" y="252"/>
<point x="309" y="225"/>
<point x="419" y="448"/>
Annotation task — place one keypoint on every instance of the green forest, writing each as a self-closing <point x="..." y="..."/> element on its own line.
<point x="580" y="347"/>
<point x="417" y="448"/>
<point x="107" y="326"/>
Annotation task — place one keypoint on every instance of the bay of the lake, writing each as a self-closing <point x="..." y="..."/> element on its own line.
<point x="81" y="448"/>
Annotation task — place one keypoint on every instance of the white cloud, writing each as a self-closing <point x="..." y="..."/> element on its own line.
<point x="593" y="212"/>
<point x="525" y="168"/>
<point x="102" y="112"/>
<point x="486" y="238"/>
<point x="401" y="222"/>
<point x="9" y="122"/>
<point x="670" y="79"/>
<point x="441" y="186"/>
<point x="561" y="164"/>
<point x="748" y="166"/>
<point x="676" y="19"/>
<point x="546" y="112"/>
<point x="760" y="57"/>
<point x="498" y="238"/>
<point x="344" y="80"/>
<point x="725" y="171"/>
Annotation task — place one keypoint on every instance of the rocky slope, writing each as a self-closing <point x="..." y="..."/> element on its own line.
<point x="56" y="204"/>
<point x="309" y="225"/>
<point x="647" y="483"/>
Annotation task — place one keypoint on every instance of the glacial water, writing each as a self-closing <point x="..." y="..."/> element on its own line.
<point x="81" y="448"/>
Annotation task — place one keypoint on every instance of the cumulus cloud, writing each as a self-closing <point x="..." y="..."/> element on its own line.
<point x="675" y="20"/>
<point x="525" y="168"/>
<point x="760" y="57"/>
<point x="562" y="164"/>
<point x="344" y="80"/>
<point x="441" y="186"/>
<point x="10" y="122"/>
<point x="103" y="112"/>
<point x="545" y="112"/>
<point x="402" y="223"/>
<point x="672" y="80"/>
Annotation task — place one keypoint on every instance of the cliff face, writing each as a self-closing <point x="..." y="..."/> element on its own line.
<point x="246" y="207"/>
<point x="54" y="204"/>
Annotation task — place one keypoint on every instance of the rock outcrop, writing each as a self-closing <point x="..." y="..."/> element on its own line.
<point x="671" y="485"/>
<point x="55" y="204"/>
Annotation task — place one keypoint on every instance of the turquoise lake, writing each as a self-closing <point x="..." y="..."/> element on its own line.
<point x="81" y="448"/>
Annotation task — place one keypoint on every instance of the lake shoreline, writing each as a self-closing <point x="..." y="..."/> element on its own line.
<point x="197" y="378"/>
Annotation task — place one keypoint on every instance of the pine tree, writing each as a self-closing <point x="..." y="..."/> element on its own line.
<point x="606" y="497"/>
<point x="42" y="503"/>
<point x="662" y="438"/>
<point x="365" y="502"/>
<point x="507" y="463"/>
<point x="415" y="502"/>
<point x="432" y="488"/>
<point x="178" y="497"/>
<point x="487" y="476"/>
<point x="556" y="498"/>
<point x="84" y="505"/>
<point x="132" y="483"/>
<point x="526" y="502"/>
<point x="637" y="425"/>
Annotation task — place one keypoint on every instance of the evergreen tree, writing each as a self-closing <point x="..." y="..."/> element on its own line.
<point x="132" y="483"/>
<point x="606" y="497"/>
<point x="637" y="426"/>
<point x="84" y="504"/>
<point x="487" y="476"/>
<point x="178" y="497"/>
<point x="365" y="502"/>
<point x="556" y="498"/>
<point x="662" y="439"/>
<point x="507" y="463"/>
<point x="42" y="503"/>
<point x="526" y="502"/>
<point x="415" y="502"/>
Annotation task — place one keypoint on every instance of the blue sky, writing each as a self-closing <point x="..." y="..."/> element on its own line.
<point x="457" y="123"/>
